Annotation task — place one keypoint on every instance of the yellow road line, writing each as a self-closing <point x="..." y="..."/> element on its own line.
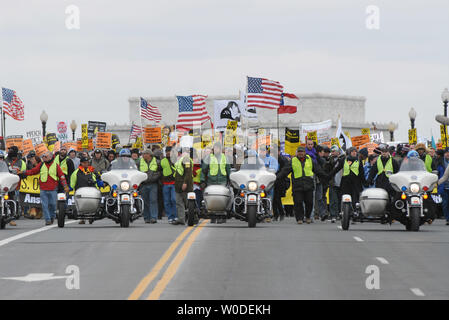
<point x="141" y="287"/>
<point x="173" y="268"/>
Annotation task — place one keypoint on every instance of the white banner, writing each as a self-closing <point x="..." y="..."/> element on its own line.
<point x="226" y="110"/>
<point x="322" y="128"/>
<point x="35" y="136"/>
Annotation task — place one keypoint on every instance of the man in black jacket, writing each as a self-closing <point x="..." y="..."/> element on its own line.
<point x="280" y="187"/>
<point x="303" y="170"/>
<point x="384" y="168"/>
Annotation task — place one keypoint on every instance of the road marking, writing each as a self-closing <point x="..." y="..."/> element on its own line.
<point x="143" y="285"/>
<point x="382" y="260"/>
<point x="29" y="233"/>
<point x="358" y="239"/>
<point x="33" y="277"/>
<point x="173" y="267"/>
<point x="417" y="292"/>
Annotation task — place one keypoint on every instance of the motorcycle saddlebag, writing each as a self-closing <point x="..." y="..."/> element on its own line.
<point x="373" y="202"/>
<point x="87" y="200"/>
<point x="217" y="198"/>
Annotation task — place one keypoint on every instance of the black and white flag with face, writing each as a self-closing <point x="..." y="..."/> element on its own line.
<point x="345" y="142"/>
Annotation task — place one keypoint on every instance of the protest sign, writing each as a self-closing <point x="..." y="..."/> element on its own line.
<point x="104" y="140"/>
<point x="322" y="129"/>
<point x="35" y="136"/>
<point x="84" y="137"/>
<point x="41" y="148"/>
<point x="27" y="146"/>
<point x="360" y="140"/>
<point x="291" y="141"/>
<point x="95" y="126"/>
<point x="312" y="136"/>
<point x="225" y="111"/>
<point x="152" y="135"/>
<point x="14" y="141"/>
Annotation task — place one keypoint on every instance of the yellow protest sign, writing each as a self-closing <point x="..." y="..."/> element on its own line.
<point x="312" y="135"/>
<point x="291" y="141"/>
<point x="366" y="131"/>
<point x="288" y="199"/>
<point x="412" y="136"/>
<point x="336" y="142"/>
<point x="444" y="138"/>
<point x="84" y="137"/>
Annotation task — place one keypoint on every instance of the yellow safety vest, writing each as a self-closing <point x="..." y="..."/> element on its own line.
<point x="45" y="172"/>
<point x="297" y="167"/>
<point x="213" y="165"/>
<point x="62" y="164"/>
<point x="354" y="168"/>
<point x="144" y="165"/>
<point x="167" y="169"/>
<point x="179" y="169"/>
<point x="388" y="168"/>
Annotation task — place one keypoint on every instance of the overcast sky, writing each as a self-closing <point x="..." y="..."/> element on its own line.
<point x="162" y="48"/>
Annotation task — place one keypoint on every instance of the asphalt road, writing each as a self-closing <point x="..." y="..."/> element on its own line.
<point x="276" y="261"/>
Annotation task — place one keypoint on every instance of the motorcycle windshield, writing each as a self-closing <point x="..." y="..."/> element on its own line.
<point x="412" y="164"/>
<point x="252" y="163"/>
<point x="123" y="163"/>
<point x="3" y="167"/>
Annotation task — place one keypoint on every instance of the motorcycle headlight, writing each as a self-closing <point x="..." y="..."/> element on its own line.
<point x="414" y="187"/>
<point x="252" y="186"/>
<point x="124" y="186"/>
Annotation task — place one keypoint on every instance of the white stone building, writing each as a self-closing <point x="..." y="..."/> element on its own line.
<point x="314" y="107"/>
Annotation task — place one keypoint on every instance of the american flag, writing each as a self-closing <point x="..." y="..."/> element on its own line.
<point x="192" y="109"/>
<point x="264" y="93"/>
<point x="149" y="112"/>
<point x="135" y="131"/>
<point x="12" y="105"/>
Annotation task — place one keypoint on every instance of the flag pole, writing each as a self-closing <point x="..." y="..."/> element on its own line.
<point x="141" y="126"/>
<point x="247" y="117"/>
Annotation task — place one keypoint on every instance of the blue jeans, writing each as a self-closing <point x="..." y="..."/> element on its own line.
<point x="445" y="198"/>
<point x="151" y="208"/>
<point x="169" y="201"/>
<point x="48" y="201"/>
<point x="320" y="200"/>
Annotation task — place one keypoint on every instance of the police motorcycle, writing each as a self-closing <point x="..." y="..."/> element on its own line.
<point x="253" y="182"/>
<point x="8" y="207"/>
<point x="412" y="185"/>
<point x="124" y="204"/>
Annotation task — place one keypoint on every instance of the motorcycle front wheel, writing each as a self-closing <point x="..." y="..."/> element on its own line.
<point x="125" y="212"/>
<point x="415" y="219"/>
<point x="345" y="219"/>
<point x="191" y="207"/>
<point x="252" y="216"/>
<point x="61" y="214"/>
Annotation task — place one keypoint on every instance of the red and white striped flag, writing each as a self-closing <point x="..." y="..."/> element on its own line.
<point x="192" y="109"/>
<point x="264" y="93"/>
<point x="149" y="112"/>
<point x="289" y="103"/>
<point x="12" y="105"/>
<point x="135" y="131"/>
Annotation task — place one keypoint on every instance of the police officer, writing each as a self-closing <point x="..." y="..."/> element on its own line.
<point x="303" y="170"/>
<point x="85" y="176"/>
<point x="384" y="168"/>
<point x="149" y="188"/>
<point x="183" y="184"/>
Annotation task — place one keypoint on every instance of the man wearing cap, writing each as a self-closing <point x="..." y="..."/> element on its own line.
<point x="99" y="163"/>
<point x="74" y="158"/>
<point x="334" y="183"/>
<point x="384" y="168"/>
<point x="428" y="160"/>
<point x="85" y="176"/>
<point x="135" y="154"/>
<point x="183" y="184"/>
<point x="66" y="164"/>
<point x="168" y="185"/>
<point x="149" y="188"/>
<point x="353" y="178"/>
<point x="50" y="176"/>
<point x="303" y="170"/>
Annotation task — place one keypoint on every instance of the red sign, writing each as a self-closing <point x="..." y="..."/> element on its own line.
<point x="62" y="127"/>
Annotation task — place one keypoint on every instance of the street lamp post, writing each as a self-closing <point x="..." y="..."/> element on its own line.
<point x="392" y="127"/>
<point x="44" y="118"/>
<point x="445" y="98"/>
<point x="412" y="116"/>
<point x="73" y="127"/>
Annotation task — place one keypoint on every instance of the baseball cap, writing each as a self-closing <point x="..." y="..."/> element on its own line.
<point x="84" y="159"/>
<point x="300" y="148"/>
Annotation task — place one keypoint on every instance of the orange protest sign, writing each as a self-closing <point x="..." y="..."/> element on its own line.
<point x="14" y="141"/>
<point x="370" y="146"/>
<point x="71" y="145"/>
<point x="152" y="135"/>
<point x="27" y="146"/>
<point x="360" y="140"/>
<point x="104" y="140"/>
<point x="41" y="148"/>
<point x="79" y="145"/>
